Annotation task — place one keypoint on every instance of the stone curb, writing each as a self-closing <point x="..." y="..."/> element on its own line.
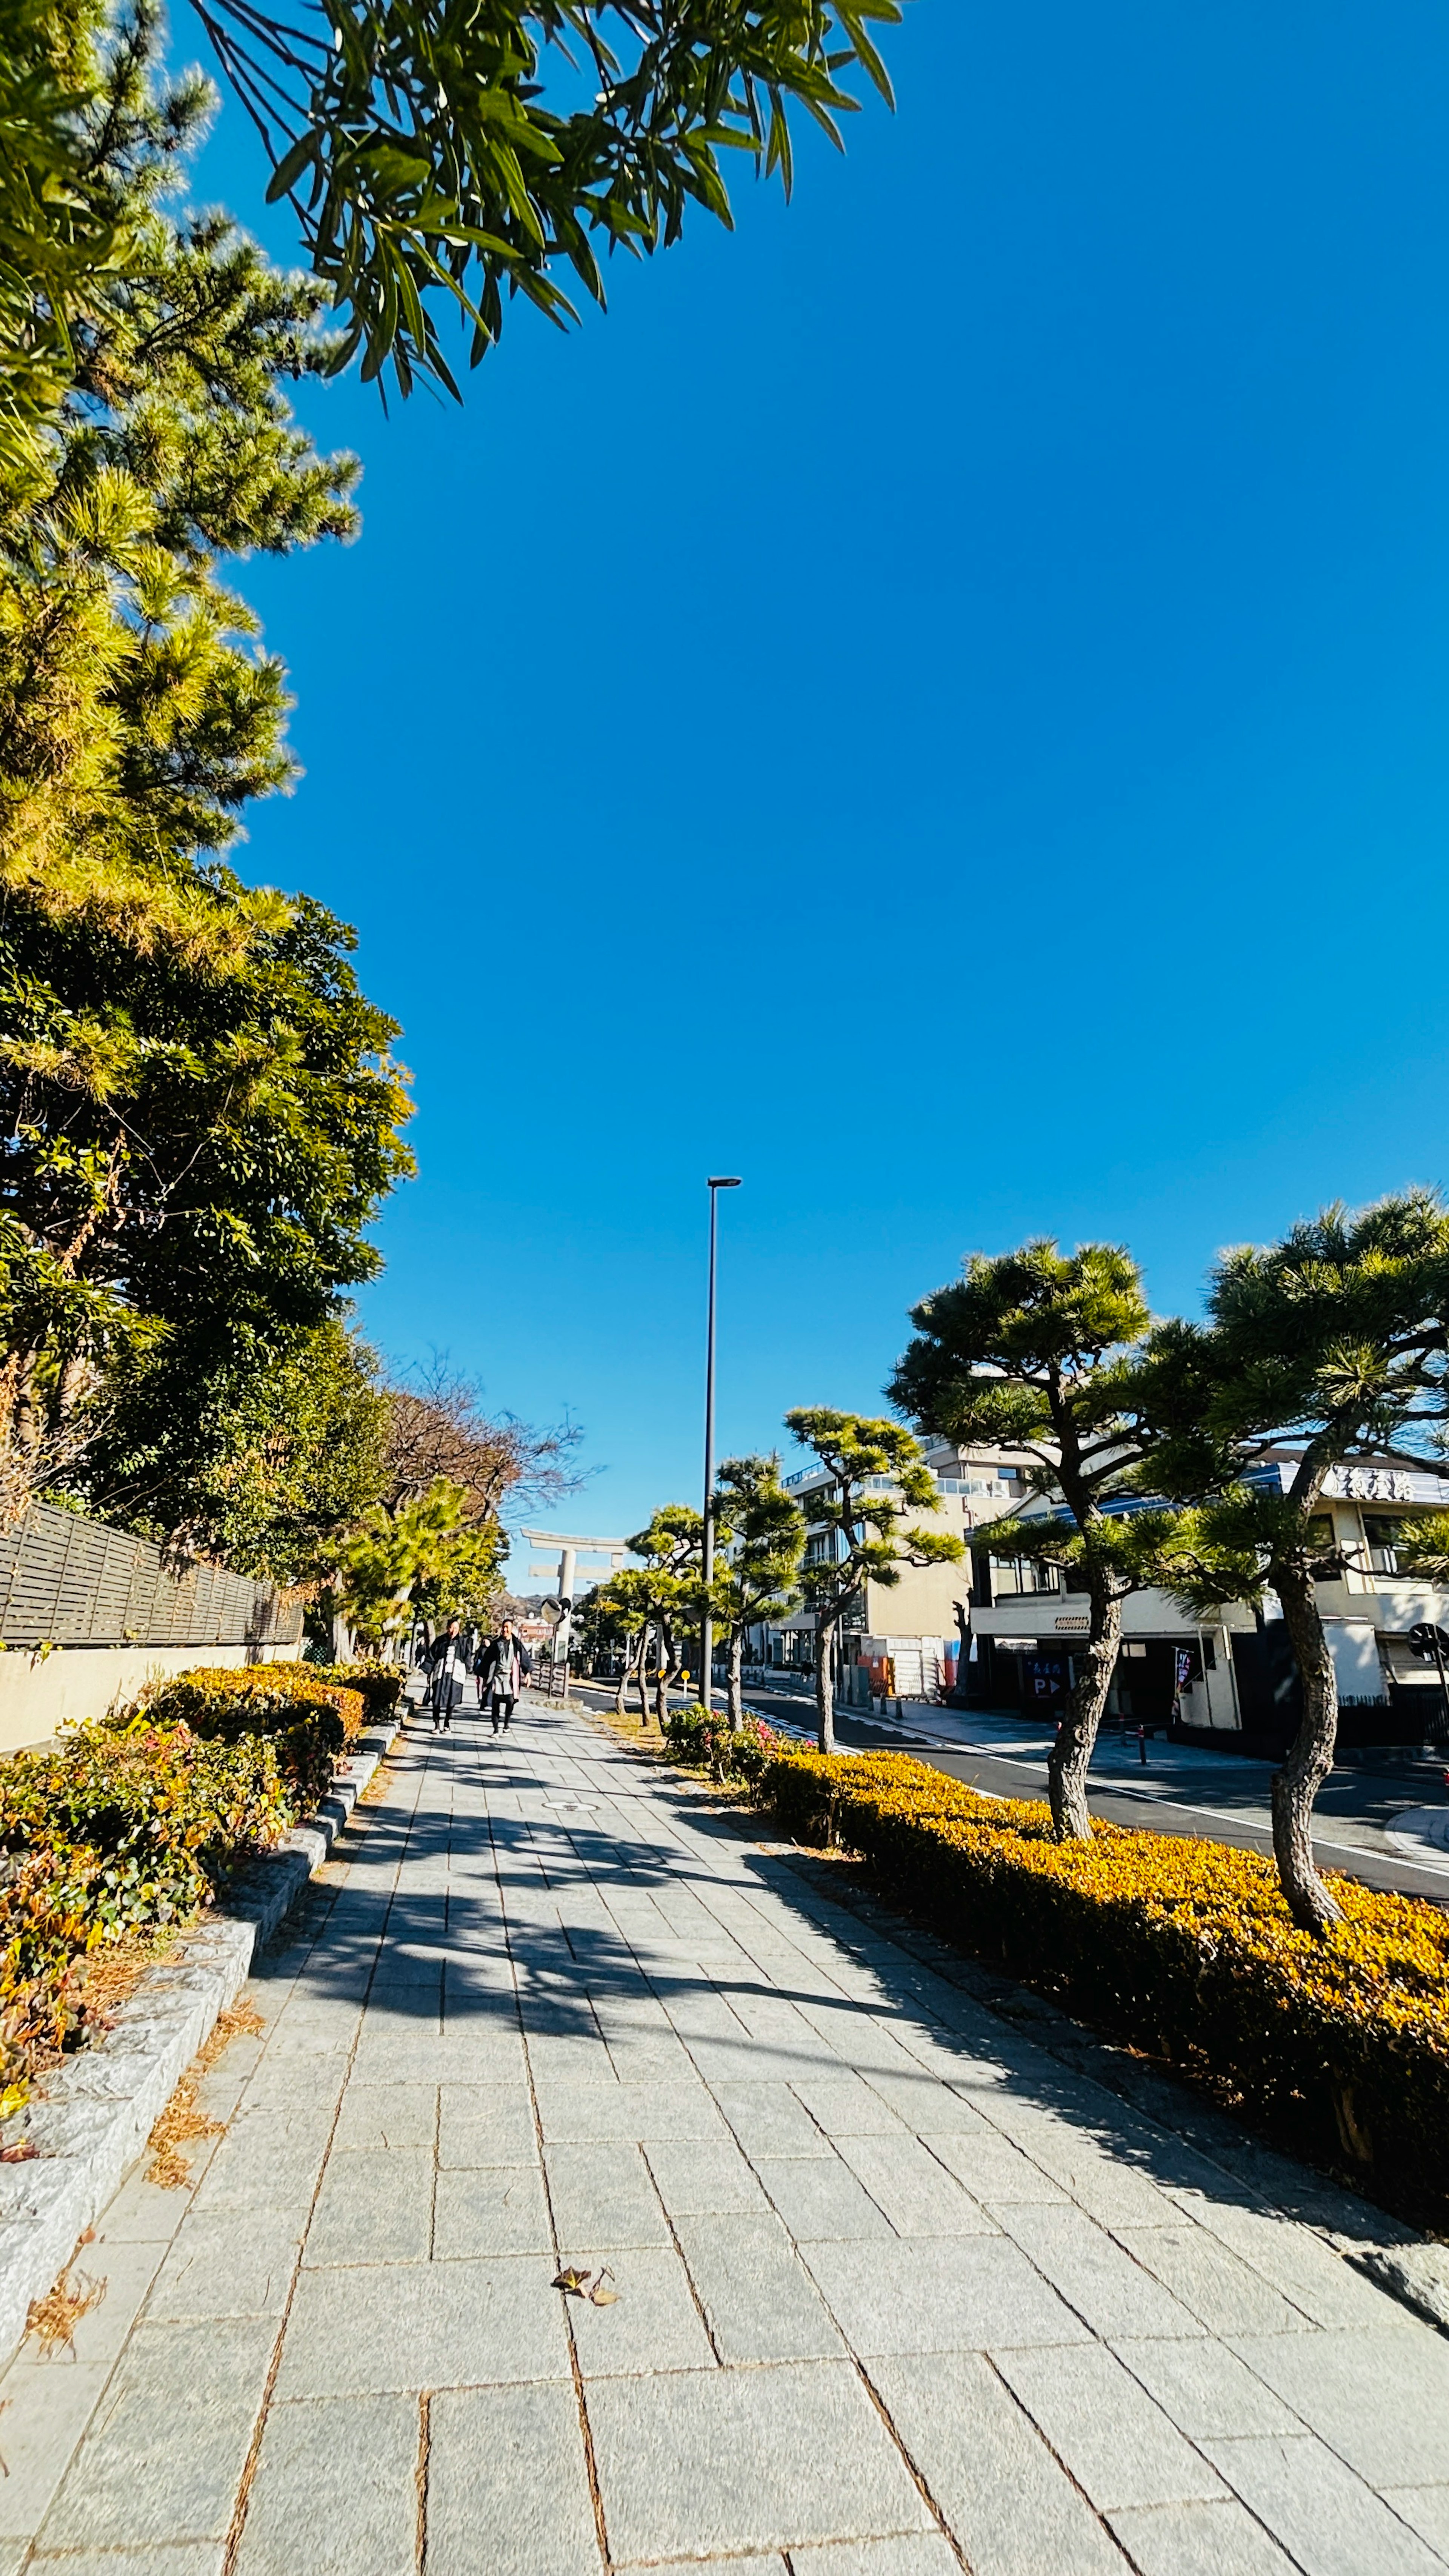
<point x="100" y="2106"/>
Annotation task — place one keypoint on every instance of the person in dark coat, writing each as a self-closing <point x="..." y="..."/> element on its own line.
<point x="447" y="1664"/>
<point x="502" y="1669"/>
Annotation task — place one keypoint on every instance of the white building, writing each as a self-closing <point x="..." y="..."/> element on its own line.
<point x="1235" y="1672"/>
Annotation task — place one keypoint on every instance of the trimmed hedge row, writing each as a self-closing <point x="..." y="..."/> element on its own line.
<point x="1180" y="1947"/>
<point x="133" y="1822"/>
<point x="252" y="1699"/>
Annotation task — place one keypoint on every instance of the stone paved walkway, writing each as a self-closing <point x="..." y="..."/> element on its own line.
<point x="898" y="2292"/>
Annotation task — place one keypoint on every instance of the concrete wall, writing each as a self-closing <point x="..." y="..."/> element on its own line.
<point x="39" y="1696"/>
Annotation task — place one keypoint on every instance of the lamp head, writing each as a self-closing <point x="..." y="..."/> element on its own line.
<point x="722" y="1184"/>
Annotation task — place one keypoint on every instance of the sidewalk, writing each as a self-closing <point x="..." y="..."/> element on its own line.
<point x="899" y="2292"/>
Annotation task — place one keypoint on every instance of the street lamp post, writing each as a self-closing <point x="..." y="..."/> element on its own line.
<point x="706" y="1634"/>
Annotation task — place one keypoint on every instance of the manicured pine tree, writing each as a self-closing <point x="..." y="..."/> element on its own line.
<point x="1032" y="1351"/>
<point x="877" y="1475"/>
<point x="762" y="1531"/>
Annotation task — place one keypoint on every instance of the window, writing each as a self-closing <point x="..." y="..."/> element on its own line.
<point x="823" y="1548"/>
<point x="1012" y="1575"/>
<point x="1383" y="1554"/>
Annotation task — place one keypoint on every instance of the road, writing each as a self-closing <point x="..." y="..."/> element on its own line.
<point x="1379" y="1826"/>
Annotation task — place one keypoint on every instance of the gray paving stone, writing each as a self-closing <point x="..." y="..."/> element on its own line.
<point x="227" y="2263"/>
<point x="602" y="2195"/>
<point x="1205" y="2389"/>
<point x="45" y="2407"/>
<point x="844" y="2106"/>
<point x="693" y="2178"/>
<point x="269" y="2159"/>
<point x="1199" y="2540"/>
<point x="1329" y="2522"/>
<point x="1117" y="2444"/>
<point x="485" y="2124"/>
<point x="374" y="2207"/>
<point x="653" y="2323"/>
<point x="746" y="2459"/>
<point x="1380" y="2400"/>
<point x="423" y="2325"/>
<point x="1300" y="2264"/>
<point x="342" y="2471"/>
<point x="760" y="2303"/>
<point x="492" y="2209"/>
<point x="573" y="2059"/>
<point x="1108" y="2187"/>
<point x="769" y="2121"/>
<point x="142" y="2212"/>
<point x="818" y="2196"/>
<point x="574" y="2113"/>
<point x="992" y="2169"/>
<point x="923" y="2553"/>
<point x="1223" y="2292"/>
<point x="1426" y="2511"/>
<point x="955" y="2294"/>
<point x="180" y="2558"/>
<point x="508" y="2490"/>
<point x="918" y="2196"/>
<point x="133" y="2483"/>
<point x="386" y="2116"/>
<point x="926" y="2103"/>
<point x="774" y="2565"/>
<point x="1011" y="2508"/>
<point x="1095" y="2275"/>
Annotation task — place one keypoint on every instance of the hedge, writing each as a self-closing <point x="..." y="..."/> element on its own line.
<point x="379" y="1684"/>
<point x="124" y="1826"/>
<point x="234" y="1700"/>
<point x="1180" y="1947"/>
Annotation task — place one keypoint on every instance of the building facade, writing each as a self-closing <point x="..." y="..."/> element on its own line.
<point x="998" y="1632"/>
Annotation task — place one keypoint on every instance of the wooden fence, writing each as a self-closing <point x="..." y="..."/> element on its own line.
<point x="67" y="1581"/>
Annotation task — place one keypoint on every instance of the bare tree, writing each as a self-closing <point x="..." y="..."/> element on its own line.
<point x="438" y="1426"/>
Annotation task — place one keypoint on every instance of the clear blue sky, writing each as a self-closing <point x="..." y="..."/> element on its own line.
<point x="936" y="703"/>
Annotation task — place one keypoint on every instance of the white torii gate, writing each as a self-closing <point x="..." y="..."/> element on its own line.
<point x="571" y="1547"/>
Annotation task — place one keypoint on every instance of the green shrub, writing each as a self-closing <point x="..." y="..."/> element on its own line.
<point x="1178" y="1946"/>
<point x="121" y="1827"/>
<point x="736" y="1754"/>
<point x="307" y="1720"/>
<point x="380" y="1685"/>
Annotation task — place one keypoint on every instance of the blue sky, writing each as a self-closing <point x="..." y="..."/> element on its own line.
<point x="936" y="703"/>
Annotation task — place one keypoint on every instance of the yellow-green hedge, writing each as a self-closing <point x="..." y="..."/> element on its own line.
<point x="251" y="1699"/>
<point x="1181" y="1947"/>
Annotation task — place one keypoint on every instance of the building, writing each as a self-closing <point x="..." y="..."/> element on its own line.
<point x="906" y="1640"/>
<point x="997" y="1632"/>
<point x="1234" y="1674"/>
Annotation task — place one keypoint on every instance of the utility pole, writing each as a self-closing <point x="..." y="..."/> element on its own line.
<point x="706" y="1634"/>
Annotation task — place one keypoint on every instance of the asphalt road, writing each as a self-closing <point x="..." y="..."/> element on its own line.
<point x="1179" y="1792"/>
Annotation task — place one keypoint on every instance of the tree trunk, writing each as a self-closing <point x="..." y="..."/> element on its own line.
<point x="625" y="1669"/>
<point x="643" y="1674"/>
<point x="664" y="1675"/>
<point x="1070" y="1756"/>
<point x="734" y="1695"/>
<point x="1310" y="1756"/>
<point x="825" y="1626"/>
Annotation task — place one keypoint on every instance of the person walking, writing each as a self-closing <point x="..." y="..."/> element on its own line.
<point x="447" y="1662"/>
<point x="503" y="1667"/>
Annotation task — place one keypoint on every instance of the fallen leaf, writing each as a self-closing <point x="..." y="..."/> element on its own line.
<point x="575" y="2283"/>
<point x="20" y="2154"/>
<point x="601" y="2295"/>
